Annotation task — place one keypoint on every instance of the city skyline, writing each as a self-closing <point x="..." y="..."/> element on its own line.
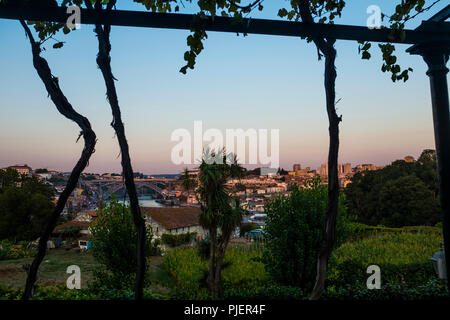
<point x="193" y="167"/>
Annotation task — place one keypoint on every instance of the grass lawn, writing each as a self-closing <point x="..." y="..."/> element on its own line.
<point x="53" y="270"/>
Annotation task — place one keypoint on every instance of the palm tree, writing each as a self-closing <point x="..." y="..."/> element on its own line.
<point x="220" y="212"/>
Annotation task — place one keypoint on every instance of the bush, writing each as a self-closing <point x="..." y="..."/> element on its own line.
<point x="407" y="275"/>
<point x="25" y="206"/>
<point x="361" y="231"/>
<point x="188" y="270"/>
<point x="9" y="251"/>
<point x="60" y="292"/>
<point x="294" y="233"/>
<point x="431" y="290"/>
<point x="175" y="240"/>
<point x="403" y="256"/>
<point x="114" y="240"/>
<point x="399" y="194"/>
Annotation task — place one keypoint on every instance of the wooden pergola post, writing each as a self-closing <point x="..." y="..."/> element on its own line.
<point x="436" y="59"/>
<point x="436" y="55"/>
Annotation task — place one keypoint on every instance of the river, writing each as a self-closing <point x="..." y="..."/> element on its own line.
<point x="146" y="201"/>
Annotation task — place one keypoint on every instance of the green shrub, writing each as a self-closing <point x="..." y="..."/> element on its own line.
<point x="114" y="240"/>
<point x="9" y="251"/>
<point x="294" y="233"/>
<point x="363" y="231"/>
<point x="354" y="273"/>
<point x="431" y="290"/>
<point x="404" y="258"/>
<point x="60" y="292"/>
<point x="175" y="240"/>
<point x="188" y="270"/>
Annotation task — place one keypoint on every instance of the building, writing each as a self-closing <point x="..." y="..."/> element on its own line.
<point x="297" y="167"/>
<point x="168" y="220"/>
<point x="409" y="159"/>
<point x="86" y="216"/>
<point x="21" y="169"/>
<point x="364" y="167"/>
<point x="44" y="176"/>
<point x="83" y="227"/>
<point x="323" y="170"/>
<point x="191" y="199"/>
<point x="344" y="169"/>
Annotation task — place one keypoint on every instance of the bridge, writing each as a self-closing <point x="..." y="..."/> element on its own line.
<point x="106" y="187"/>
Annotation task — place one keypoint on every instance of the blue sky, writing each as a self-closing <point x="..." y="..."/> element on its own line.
<point x="239" y="82"/>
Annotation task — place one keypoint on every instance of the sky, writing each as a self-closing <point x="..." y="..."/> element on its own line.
<point x="260" y="82"/>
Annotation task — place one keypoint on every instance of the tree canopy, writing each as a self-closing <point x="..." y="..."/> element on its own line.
<point x="25" y="206"/>
<point x="403" y="193"/>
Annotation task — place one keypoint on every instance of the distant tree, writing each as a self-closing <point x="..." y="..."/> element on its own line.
<point x="407" y="201"/>
<point x="41" y="170"/>
<point x="426" y="169"/>
<point x="9" y="177"/>
<point x="25" y="209"/>
<point x="371" y="194"/>
<point x="186" y="181"/>
<point x="89" y="177"/>
<point x="59" y="178"/>
<point x="254" y="172"/>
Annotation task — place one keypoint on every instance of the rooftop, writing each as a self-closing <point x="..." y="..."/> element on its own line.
<point x="173" y="218"/>
<point x="80" y="224"/>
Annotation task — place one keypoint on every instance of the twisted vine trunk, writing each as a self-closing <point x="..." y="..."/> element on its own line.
<point x="326" y="47"/>
<point x="104" y="63"/>
<point x="333" y="181"/>
<point x="65" y="108"/>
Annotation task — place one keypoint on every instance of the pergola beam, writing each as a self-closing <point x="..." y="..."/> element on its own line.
<point x="224" y="24"/>
<point x="442" y="15"/>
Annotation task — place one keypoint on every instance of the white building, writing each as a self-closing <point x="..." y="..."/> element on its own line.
<point x="167" y="220"/>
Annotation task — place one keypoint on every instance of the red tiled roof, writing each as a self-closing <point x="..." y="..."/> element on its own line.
<point x="92" y="213"/>
<point x="17" y="166"/>
<point x="173" y="218"/>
